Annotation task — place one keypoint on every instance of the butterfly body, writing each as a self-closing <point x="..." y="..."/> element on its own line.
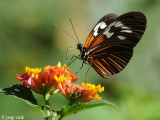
<point x="83" y="53"/>
<point x="109" y="46"/>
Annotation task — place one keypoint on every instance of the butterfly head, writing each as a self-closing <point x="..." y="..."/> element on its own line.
<point x="83" y="54"/>
<point x="79" y="47"/>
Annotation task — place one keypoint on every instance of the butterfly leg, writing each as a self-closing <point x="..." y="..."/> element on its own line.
<point x="79" y="69"/>
<point x="72" y="60"/>
<point x="67" y="51"/>
<point x="87" y="63"/>
<point x="86" y="73"/>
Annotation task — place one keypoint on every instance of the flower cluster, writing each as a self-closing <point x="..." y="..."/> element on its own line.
<point x="59" y="79"/>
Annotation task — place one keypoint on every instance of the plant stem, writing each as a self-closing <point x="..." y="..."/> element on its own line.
<point x="47" y="108"/>
<point x="50" y="115"/>
<point x="47" y="116"/>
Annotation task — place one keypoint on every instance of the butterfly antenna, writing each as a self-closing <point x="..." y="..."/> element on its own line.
<point x="74" y="31"/>
<point x="65" y="32"/>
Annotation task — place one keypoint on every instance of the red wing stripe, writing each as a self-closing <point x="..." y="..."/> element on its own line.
<point x="116" y="64"/>
<point x="89" y="39"/>
<point x="121" y="56"/>
<point x="97" y="66"/>
<point x="97" y="41"/>
<point x="99" y="54"/>
<point x="122" y="64"/>
<point x="118" y="58"/>
<point x="103" y="66"/>
<point x="101" y="49"/>
<point x="112" y="69"/>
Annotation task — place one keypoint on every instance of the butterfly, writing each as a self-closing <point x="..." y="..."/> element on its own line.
<point x="109" y="46"/>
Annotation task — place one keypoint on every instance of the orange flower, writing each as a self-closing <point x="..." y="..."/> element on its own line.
<point x="90" y="92"/>
<point x="58" y="79"/>
<point x="48" y="81"/>
<point x="84" y="93"/>
<point x="68" y="89"/>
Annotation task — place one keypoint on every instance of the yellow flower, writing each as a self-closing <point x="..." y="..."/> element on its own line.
<point x="92" y="87"/>
<point x="32" y="70"/>
<point x="90" y="92"/>
<point x="64" y="66"/>
<point x="61" y="78"/>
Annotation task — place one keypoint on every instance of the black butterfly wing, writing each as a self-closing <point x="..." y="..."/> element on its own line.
<point x="95" y="35"/>
<point x="128" y="27"/>
<point x="111" y="58"/>
<point x="118" y="38"/>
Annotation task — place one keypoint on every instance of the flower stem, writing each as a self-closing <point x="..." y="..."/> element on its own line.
<point x="50" y="115"/>
<point x="47" y="108"/>
<point x="47" y="116"/>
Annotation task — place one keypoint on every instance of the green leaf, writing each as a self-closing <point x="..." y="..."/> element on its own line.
<point x="20" y="91"/>
<point x="82" y="106"/>
<point x="23" y="93"/>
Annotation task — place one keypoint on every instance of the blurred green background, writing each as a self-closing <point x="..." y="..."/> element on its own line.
<point x="28" y="37"/>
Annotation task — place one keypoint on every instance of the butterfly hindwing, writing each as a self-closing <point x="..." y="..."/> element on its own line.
<point x="110" y="59"/>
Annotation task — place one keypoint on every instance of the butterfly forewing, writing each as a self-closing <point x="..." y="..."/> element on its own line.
<point x="93" y="38"/>
<point x="129" y="27"/>
<point x="110" y="43"/>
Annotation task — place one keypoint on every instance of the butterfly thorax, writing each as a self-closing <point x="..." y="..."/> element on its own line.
<point x="83" y="55"/>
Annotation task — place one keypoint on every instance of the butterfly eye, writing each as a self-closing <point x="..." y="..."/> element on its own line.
<point x="79" y="46"/>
